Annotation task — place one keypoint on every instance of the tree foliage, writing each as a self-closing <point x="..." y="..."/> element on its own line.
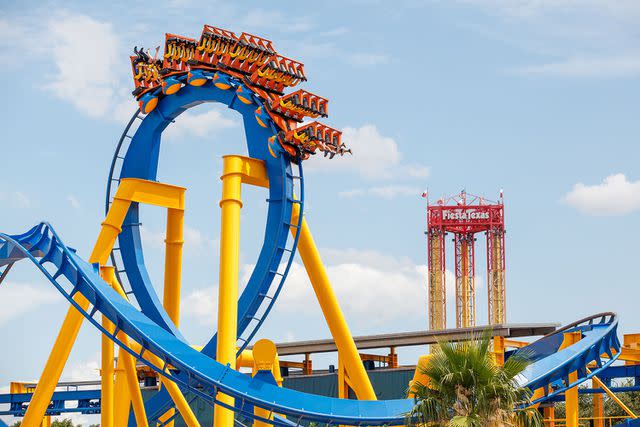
<point x="610" y="408"/>
<point x="466" y="388"/>
<point x="58" y="423"/>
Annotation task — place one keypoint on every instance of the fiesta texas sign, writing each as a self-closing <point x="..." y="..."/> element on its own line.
<point x="464" y="214"/>
<point x="466" y="218"/>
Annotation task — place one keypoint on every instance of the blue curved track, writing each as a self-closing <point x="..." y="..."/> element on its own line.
<point x="204" y="377"/>
<point x="197" y="372"/>
<point x="141" y="160"/>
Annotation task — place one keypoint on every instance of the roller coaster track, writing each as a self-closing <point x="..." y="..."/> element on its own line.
<point x="260" y="294"/>
<point x="147" y="323"/>
<point x="204" y="377"/>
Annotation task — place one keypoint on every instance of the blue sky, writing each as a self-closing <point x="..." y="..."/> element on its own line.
<point x="539" y="98"/>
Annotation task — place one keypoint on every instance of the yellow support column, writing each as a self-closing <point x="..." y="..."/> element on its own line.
<point x="173" y="264"/>
<point x="549" y="415"/>
<point x="230" y="205"/>
<point x="265" y="356"/>
<point x="437" y="282"/>
<point x="122" y="404"/>
<point x="46" y="422"/>
<point x="331" y="309"/>
<point x="128" y="361"/>
<point x="131" y="376"/>
<point x="571" y="395"/>
<point x="613" y="397"/>
<point x="55" y="364"/>
<point x="132" y="189"/>
<point x="106" y="385"/>
<point x="598" y="410"/>
<point x="498" y="350"/>
<point x="418" y="376"/>
<point x="343" y="387"/>
<point x="466" y="296"/>
<point x="107" y="371"/>
<point x="173" y="273"/>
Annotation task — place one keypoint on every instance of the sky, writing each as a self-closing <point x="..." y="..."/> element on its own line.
<point x="538" y="98"/>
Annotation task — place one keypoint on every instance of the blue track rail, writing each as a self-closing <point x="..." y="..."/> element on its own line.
<point x="204" y="377"/>
<point x="137" y="155"/>
<point x="85" y="402"/>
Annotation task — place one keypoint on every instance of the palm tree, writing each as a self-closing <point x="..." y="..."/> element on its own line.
<point x="467" y="388"/>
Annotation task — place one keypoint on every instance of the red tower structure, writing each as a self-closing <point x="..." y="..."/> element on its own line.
<point x="465" y="215"/>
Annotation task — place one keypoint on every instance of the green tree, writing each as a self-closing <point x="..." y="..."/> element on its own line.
<point x="63" y="423"/>
<point x="610" y="408"/>
<point x="466" y="388"/>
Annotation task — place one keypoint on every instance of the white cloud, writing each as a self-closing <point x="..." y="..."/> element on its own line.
<point x="18" y="298"/>
<point x="374" y="156"/>
<point x="194" y="239"/>
<point x="87" y="58"/>
<point x="15" y="199"/>
<point x="417" y="171"/>
<point x="616" y="195"/>
<point x="85" y="64"/>
<point x="87" y="370"/>
<point x="198" y="125"/>
<point x="73" y="201"/>
<point x="202" y="304"/>
<point x="395" y="289"/>
<point x="385" y="192"/>
<point x="616" y="66"/>
<point x="365" y="282"/>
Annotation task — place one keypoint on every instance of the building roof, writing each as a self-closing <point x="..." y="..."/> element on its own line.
<point x="407" y="339"/>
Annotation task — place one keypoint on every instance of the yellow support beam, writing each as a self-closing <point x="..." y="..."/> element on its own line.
<point x="173" y="390"/>
<point x="418" y="376"/>
<point x="598" y="410"/>
<point x="128" y="361"/>
<point x="499" y="346"/>
<point x="130" y="190"/>
<point x="133" y="190"/>
<point x="437" y="282"/>
<point x="465" y="315"/>
<point x="174" y="242"/>
<point x="230" y="205"/>
<point x="151" y="193"/>
<point x="571" y="395"/>
<point x="612" y="396"/>
<point x="265" y="357"/>
<point x="122" y="404"/>
<point x="331" y="309"/>
<point x="495" y="279"/>
<point x="107" y="371"/>
<point x="245" y="360"/>
<point x="250" y="171"/>
<point x="55" y="364"/>
<point x="549" y="415"/>
<point x="343" y="385"/>
<point x="237" y="170"/>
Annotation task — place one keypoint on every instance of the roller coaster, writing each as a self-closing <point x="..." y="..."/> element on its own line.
<point x="112" y="289"/>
